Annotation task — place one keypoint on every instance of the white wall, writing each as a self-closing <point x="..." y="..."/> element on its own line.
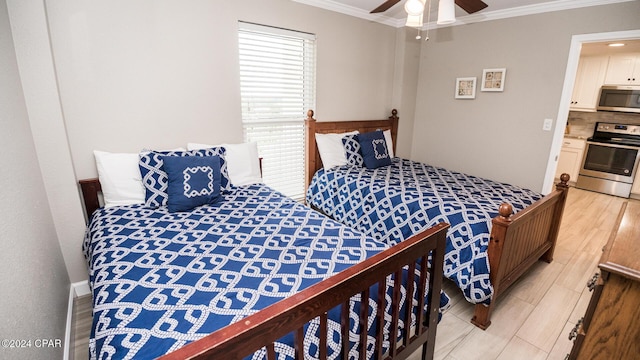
<point x="499" y="134"/>
<point x="38" y="78"/>
<point x="33" y="279"/>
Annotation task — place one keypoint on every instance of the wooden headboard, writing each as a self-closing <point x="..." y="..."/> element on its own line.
<point x="312" y="127"/>
<point x="90" y="189"/>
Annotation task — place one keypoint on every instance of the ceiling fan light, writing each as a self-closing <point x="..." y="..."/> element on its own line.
<point x="414" y="7"/>
<point x="446" y="12"/>
<point x="414" y="21"/>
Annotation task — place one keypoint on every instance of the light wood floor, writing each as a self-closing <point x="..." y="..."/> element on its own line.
<point x="81" y="327"/>
<point x="532" y="320"/>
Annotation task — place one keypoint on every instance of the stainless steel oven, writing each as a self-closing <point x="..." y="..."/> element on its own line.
<point x="610" y="162"/>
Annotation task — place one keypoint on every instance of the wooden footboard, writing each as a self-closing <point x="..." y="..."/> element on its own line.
<point x="289" y="316"/>
<point x="518" y="241"/>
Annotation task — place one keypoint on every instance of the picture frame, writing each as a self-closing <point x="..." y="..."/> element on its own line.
<point x="466" y="88"/>
<point x="493" y="79"/>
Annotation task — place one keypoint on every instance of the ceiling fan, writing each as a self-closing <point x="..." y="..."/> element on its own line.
<point x="470" y="6"/>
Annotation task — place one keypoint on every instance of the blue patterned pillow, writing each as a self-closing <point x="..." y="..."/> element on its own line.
<point x="352" y="150"/>
<point x="155" y="180"/>
<point x="374" y="149"/>
<point x="192" y="181"/>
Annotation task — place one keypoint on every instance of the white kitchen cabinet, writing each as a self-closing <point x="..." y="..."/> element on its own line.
<point x="589" y="78"/>
<point x="623" y="69"/>
<point x="635" y="189"/>
<point x="570" y="158"/>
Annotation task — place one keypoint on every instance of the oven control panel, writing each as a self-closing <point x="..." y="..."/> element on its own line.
<point x="618" y="128"/>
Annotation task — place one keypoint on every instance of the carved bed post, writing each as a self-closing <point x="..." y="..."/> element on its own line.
<point x="310" y="145"/>
<point x="394" y="129"/>
<point x="496" y="244"/>
<point x="90" y="189"/>
<point x="562" y="186"/>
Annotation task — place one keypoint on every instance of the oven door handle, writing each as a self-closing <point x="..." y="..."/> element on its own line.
<point x="613" y="145"/>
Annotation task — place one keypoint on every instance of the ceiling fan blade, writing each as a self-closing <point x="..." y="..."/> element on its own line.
<point x="471" y="6"/>
<point x="385" y="6"/>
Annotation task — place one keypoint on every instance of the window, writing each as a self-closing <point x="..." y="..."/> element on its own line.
<point x="277" y="87"/>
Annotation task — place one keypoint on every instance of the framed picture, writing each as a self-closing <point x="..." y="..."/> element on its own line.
<point x="493" y="79"/>
<point x="466" y="88"/>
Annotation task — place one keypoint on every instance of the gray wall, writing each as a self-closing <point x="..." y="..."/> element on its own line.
<point x="33" y="279"/>
<point x="499" y="134"/>
<point x="29" y="28"/>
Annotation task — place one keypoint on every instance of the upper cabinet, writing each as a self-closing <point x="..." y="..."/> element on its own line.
<point x="589" y="78"/>
<point x="623" y="69"/>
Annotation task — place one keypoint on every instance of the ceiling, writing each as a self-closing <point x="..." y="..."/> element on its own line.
<point x="497" y="9"/>
<point x="603" y="48"/>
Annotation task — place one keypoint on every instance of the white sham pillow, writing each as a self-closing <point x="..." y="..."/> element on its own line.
<point x="389" y="140"/>
<point x="331" y="149"/>
<point x="243" y="162"/>
<point x="120" y="178"/>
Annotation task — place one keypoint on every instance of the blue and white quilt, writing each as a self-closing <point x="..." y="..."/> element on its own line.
<point x="393" y="202"/>
<point x="161" y="280"/>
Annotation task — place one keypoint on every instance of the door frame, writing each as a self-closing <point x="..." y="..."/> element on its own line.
<point x="567" y="90"/>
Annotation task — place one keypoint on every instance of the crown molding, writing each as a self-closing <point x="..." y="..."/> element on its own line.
<point x="550" y="6"/>
<point x="353" y="11"/>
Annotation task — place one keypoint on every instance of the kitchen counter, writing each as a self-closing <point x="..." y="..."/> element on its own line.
<point x="579" y="137"/>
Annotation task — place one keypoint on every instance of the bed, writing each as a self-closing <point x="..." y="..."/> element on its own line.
<point x="488" y="248"/>
<point x="255" y="275"/>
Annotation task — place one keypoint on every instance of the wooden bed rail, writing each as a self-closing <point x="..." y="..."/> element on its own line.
<point x="265" y="327"/>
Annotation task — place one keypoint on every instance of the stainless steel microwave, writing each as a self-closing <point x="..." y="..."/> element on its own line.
<point x="620" y="98"/>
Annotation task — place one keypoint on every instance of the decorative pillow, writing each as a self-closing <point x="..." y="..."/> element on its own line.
<point x="243" y="162"/>
<point x="331" y="149"/>
<point x="374" y="149"/>
<point x="352" y="150"/>
<point x="192" y="181"/>
<point x="155" y="180"/>
<point x="120" y="178"/>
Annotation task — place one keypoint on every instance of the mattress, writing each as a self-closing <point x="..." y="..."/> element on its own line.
<point x="393" y="202"/>
<point x="161" y="280"/>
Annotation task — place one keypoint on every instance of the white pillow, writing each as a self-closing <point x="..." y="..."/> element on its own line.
<point x="243" y="162"/>
<point x="331" y="149"/>
<point x="120" y="178"/>
<point x="389" y="140"/>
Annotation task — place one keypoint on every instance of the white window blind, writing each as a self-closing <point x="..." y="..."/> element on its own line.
<point x="277" y="87"/>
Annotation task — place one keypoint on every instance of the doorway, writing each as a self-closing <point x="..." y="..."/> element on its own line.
<point x="570" y="76"/>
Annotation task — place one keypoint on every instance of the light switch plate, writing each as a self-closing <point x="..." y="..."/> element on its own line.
<point x="548" y="123"/>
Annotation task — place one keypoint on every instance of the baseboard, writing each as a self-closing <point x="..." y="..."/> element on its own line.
<point x="68" y="330"/>
<point x="77" y="289"/>
<point x="81" y="288"/>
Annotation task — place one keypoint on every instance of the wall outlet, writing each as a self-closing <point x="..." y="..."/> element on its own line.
<point x="548" y="123"/>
